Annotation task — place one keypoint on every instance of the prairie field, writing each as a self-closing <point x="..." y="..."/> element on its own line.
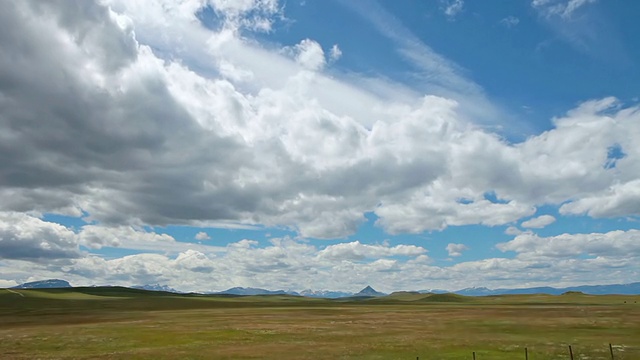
<point x="120" y="323"/>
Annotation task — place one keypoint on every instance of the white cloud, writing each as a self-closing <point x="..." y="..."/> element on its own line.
<point x="96" y="236"/>
<point x="29" y="238"/>
<point x="579" y="24"/>
<point x="538" y="222"/>
<point x="128" y="237"/>
<point x="310" y="55"/>
<point x="574" y="5"/>
<point x="240" y="134"/>
<point x="456" y="249"/>
<point x="614" y="244"/>
<point x="435" y="74"/>
<point x="195" y="261"/>
<point x="512" y="230"/>
<point x="358" y="251"/>
<point x="617" y="200"/>
<point x="7" y="283"/>
<point x="287" y="264"/>
<point x="256" y="15"/>
<point x="234" y="73"/>
<point x="229" y="132"/>
<point x="510" y="21"/>
<point x="202" y="236"/>
<point x="335" y="53"/>
<point x="453" y="7"/>
<point x="240" y="7"/>
<point x="563" y="8"/>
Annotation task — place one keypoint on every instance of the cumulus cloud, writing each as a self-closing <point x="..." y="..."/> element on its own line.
<point x="133" y="115"/>
<point x="617" y="200"/>
<point x="513" y="230"/>
<point x="26" y="237"/>
<point x="290" y="264"/>
<point x="622" y="244"/>
<point x="560" y="260"/>
<point x="335" y="53"/>
<point x="310" y="55"/>
<point x="195" y="261"/>
<point x="538" y="222"/>
<point x="358" y="251"/>
<point x="456" y="249"/>
<point x="128" y="237"/>
<point x="202" y="236"/>
<point x="251" y="137"/>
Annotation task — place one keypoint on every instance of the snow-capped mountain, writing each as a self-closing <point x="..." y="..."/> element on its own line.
<point x="156" y="287"/>
<point x="325" y="294"/>
<point x="622" y="289"/>
<point x="475" y="291"/>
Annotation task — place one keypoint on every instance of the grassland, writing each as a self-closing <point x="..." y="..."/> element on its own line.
<point x="119" y="323"/>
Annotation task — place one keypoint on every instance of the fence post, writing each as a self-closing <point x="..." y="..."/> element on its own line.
<point x="526" y="354"/>
<point x="611" y="351"/>
<point x="474" y="355"/>
<point x="570" y="352"/>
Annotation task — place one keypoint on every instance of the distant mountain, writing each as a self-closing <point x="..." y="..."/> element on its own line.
<point x="324" y="294"/>
<point x="156" y="287"/>
<point x="255" y="291"/>
<point x="433" y="291"/>
<point x="369" y="291"/>
<point x="475" y="291"/>
<point x="621" y="289"/>
<point x="44" y="284"/>
<point x="534" y="290"/>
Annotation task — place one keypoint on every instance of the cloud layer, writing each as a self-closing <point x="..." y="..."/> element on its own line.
<point x="97" y="124"/>
<point x="136" y="114"/>
<point x="290" y="264"/>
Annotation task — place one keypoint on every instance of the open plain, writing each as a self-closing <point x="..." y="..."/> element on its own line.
<point x="117" y="323"/>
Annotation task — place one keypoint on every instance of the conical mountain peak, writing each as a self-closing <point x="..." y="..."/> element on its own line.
<point x="369" y="291"/>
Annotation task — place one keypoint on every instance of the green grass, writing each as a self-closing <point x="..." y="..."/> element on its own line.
<point x="115" y="323"/>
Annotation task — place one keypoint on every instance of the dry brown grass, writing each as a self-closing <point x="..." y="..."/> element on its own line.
<point x="275" y="329"/>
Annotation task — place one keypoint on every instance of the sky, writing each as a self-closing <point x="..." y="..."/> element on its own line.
<point x="320" y="144"/>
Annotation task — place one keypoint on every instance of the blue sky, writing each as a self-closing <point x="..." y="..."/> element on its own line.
<point x="320" y="144"/>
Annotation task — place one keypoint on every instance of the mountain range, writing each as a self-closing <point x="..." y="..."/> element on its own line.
<point x="156" y="287"/>
<point x="324" y="294"/>
<point x="44" y="284"/>
<point x="254" y="291"/>
<point x="621" y="289"/>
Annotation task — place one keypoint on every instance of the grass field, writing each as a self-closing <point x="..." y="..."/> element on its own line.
<point x="120" y="323"/>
